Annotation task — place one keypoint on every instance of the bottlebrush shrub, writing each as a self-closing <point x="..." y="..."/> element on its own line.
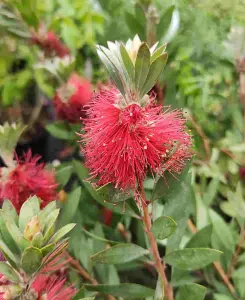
<point x="27" y="177"/>
<point x="70" y="99"/>
<point x="126" y="135"/>
<point x="32" y="249"/>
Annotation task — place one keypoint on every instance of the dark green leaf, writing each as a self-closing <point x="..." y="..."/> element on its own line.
<point x="134" y="25"/>
<point x="129" y="290"/>
<point x="119" y="254"/>
<point x="63" y="175"/>
<point x="61" y="130"/>
<point x="31" y="260"/>
<point x="191" y="292"/>
<point x="70" y="206"/>
<point x="163" y="227"/>
<point x="142" y="66"/>
<point x="155" y="70"/>
<point x="62" y="232"/>
<point x="99" y="238"/>
<point x="127" y="62"/>
<point x="201" y="239"/>
<point x="165" y="20"/>
<point x="192" y="259"/>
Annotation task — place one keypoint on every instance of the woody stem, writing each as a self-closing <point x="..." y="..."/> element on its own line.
<point x="159" y="264"/>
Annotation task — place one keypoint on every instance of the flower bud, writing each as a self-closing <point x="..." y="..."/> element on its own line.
<point x="32" y="228"/>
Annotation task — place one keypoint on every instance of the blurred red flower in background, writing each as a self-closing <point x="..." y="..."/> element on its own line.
<point x="49" y="43"/>
<point x="27" y="178"/>
<point x="52" y="288"/>
<point x="70" y="99"/>
<point x="123" y="142"/>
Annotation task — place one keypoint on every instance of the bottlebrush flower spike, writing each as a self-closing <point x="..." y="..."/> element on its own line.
<point x="122" y="143"/>
<point x="49" y="43"/>
<point x="52" y="288"/>
<point x="70" y="98"/>
<point x="27" y="178"/>
<point x="126" y="133"/>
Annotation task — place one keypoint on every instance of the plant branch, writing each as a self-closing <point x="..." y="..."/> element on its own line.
<point x="217" y="266"/>
<point x="205" y="140"/>
<point x="77" y="266"/>
<point x="159" y="265"/>
<point x="236" y="254"/>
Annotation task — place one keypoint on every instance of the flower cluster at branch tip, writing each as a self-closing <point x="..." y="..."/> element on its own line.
<point x="27" y="178"/>
<point x="70" y="99"/>
<point x="52" y="288"/>
<point x="49" y="43"/>
<point x="123" y="142"/>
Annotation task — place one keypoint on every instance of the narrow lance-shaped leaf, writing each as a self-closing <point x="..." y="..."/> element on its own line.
<point x="125" y="290"/>
<point x="119" y="254"/>
<point x="142" y="66"/>
<point x="156" y="69"/>
<point x="110" y="66"/>
<point x="192" y="258"/>
<point x="62" y="232"/>
<point x="127" y="62"/>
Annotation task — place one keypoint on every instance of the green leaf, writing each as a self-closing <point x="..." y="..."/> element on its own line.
<point x="127" y="62"/>
<point x="61" y="130"/>
<point x="155" y="70"/>
<point x="37" y="240"/>
<point x="159" y="52"/>
<point x="9" y="272"/>
<point x="5" y="235"/>
<point x="222" y="297"/>
<point x="142" y="66"/>
<point x="211" y="191"/>
<point x="51" y="219"/>
<point x="31" y="260"/>
<point x="165" y="20"/>
<point x="191" y="292"/>
<point x="115" y="73"/>
<point x="119" y="254"/>
<point x="101" y="195"/>
<point x="239" y="273"/>
<point x="45" y="212"/>
<point x="134" y="25"/>
<point x="17" y="235"/>
<point x="159" y="291"/>
<point x="9" y="209"/>
<point x="10" y="257"/>
<point x="70" y="206"/>
<point x="63" y="174"/>
<point x="62" y="232"/>
<point x="163" y="227"/>
<point x="124" y="290"/>
<point x="99" y="238"/>
<point x="192" y="258"/>
<point x="29" y="209"/>
<point x="48" y="249"/>
<point x="201" y="239"/>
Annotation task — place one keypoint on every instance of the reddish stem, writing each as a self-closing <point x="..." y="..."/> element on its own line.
<point x="159" y="264"/>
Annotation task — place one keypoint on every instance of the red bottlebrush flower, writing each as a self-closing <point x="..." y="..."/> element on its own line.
<point x="25" y="179"/>
<point x="242" y="173"/>
<point x="124" y="142"/>
<point x="49" y="43"/>
<point x="70" y="98"/>
<point x="107" y="216"/>
<point x="52" y="288"/>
